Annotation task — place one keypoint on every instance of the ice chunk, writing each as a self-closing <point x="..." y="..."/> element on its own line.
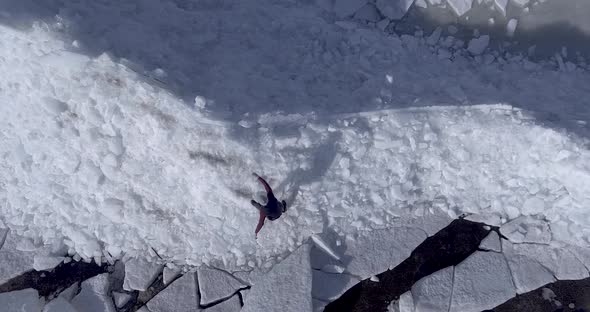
<point x="54" y="106"/>
<point x="388" y="248"/>
<point x="394" y="9"/>
<point x="140" y="274"/>
<point x="511" y="27"/>
<point x="433" y="292"/>
<point x="332" y="268"/>
<point x="482" y="281"/>
<point x="368" y="13"/>
<point x="180" y="296"/>
<point x="230" y="305"/>
<point x="64" y="62"/>
<point x="559" y="263"/>
<point x="13" y="262"/>
<point x="345" y="8"/>
<point x="476" y="46"/>
<point x="170" y="274"/>
<point x="42" y="262"/>
<point x="491" y="242"/>
<point x="70" y="292"/>
<point x="93" y="296"/>
<point x="26" y="300"/>
<point x="59" y="304"/>
<point x="460" y="7"/>
<point x="421" y="4"/>
<point x="318" y="305"/>
<point x="520" y="3"/>
<point x="325" y="247"/>
<point x="404" y="304"/>
<point x="3" y="234"/>
<point x="501" y="6"/>
<point x="526" y="229"/>
<point x="582" y="253"/>
<point x="288" y="286"/>
<point x="216" y="285"/>
<point x="330" y="286"/>
<point x="434" y="37"/>
<point x="121" y="299"/>
<point x="533" y="205"/>
<point x="528" y="274"/>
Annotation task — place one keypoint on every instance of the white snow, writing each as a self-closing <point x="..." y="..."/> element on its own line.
<point x="482" y="281"/>
<point x="491" y="242"/>
<point x="460" y="7"/>
<point x="394" y="9"/>
<point x="288" y="286"/>
<point x="216" y="284"/>
<point x="59" y="304"/>
<point x="94" y="295"/>
<point x="26" y="300"/>
<point x="344" y="8"/>
<point x="433" y="292"/>
<point x="330" y="286"/>
<point x="476" y="46"/>
<point x="140" y="274"/>
<point x="180" y="296"/>
<point x="511" y="27"/>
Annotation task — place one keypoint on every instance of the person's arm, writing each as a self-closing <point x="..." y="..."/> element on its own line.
<point x="266" y="186"/>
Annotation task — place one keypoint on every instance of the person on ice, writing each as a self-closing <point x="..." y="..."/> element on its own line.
<point x="273" y="208"/>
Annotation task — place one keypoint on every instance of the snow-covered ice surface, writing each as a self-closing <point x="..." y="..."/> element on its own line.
<point x="109" y="162"/>
<point x="481" y="282"/>
<point x="491" y="242"/>
<point x="139" y="274"/>
<point x="140" y="145"/>
<point x="433" y="293"/>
